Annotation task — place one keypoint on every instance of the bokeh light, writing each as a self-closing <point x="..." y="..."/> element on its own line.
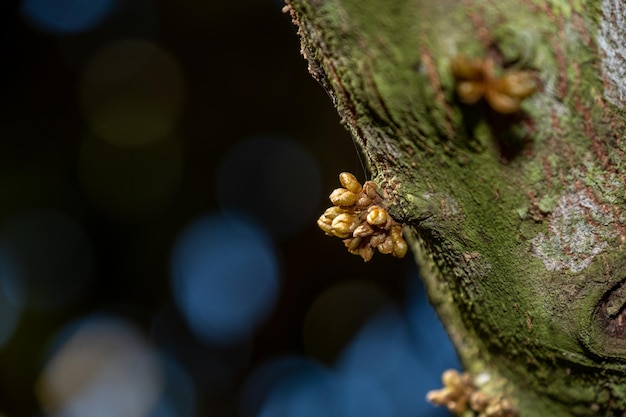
<point x="178" y="397"/>
<point x="394" y="358"/>
<point x="48" y="259"/>
<point x="10" y="311"/>
<point x="36" y="184"/>
<point x="260" y="383"/>
<point x="67" y="16"/>
<point x="383" y="349"/>
<point x="217" y="369"/>
<point x="299" y="387"/>
<point x="406" y="364"/>
<point x="130" y="183"/>
<point x="363" y="396"/>
<point x="224" y="278"/>
<point x="304" y="391"/>
<point x="336" y="316"/>
<point x="100" y="366"/>
<point x="272" y="179"/>
<point x="136" y="20"/>
<point x="123" y="121"/>
<point x="132" y="93"/>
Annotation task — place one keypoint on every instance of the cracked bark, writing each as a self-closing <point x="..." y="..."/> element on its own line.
<point x="516" y="220"/>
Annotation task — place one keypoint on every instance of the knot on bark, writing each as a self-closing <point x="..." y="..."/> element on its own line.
<point x="612" y="312"/>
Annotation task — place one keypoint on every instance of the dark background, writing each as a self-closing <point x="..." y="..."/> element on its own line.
<point x="143" y="143"/>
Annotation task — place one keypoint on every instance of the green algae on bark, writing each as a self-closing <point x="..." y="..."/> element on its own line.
<point x="516" y="220"/>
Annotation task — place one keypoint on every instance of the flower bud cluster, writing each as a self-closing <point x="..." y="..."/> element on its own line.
<point x="476" y="79"/>
<point x="360" y="219"/>
<point x="459" y="395"/>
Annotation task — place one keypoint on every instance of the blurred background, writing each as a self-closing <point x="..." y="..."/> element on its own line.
<point x="162" y="167"/>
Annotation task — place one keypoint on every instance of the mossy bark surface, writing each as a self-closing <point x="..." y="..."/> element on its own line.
<point x="516" y="220"/>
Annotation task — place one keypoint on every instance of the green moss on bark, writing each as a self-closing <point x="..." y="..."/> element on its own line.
<point x="516" y="219"/>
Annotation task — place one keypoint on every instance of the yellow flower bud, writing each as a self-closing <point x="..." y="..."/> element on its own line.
<point x="350" y="182"/>
<point x="470" y="92"/>
<point x="325" y="225"/>
<point x="377" y="216"/>
<point x="357" y="218"/>
<point x="467" y="69"/>
<point x="501" y="102"/>
<point x="353" y="244"/>
<point x="342" y="197"/>
<point x="325" y="221"/>
<point x="333" y="212"/>
<point x="400" y="248"/>
<point x="517" y="84"/>
<point x="451" y="378"/>
<point x="343" y="225"/>
<point x="396" y="233"/>
<point x="386" y="247"/>
<point x="476" y="78"/>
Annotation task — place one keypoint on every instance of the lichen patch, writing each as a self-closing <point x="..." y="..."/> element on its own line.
<point x="611" y="41"/>
<point x="577" y="232"/>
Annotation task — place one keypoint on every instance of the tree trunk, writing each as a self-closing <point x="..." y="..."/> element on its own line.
<point x="516" y="219"/>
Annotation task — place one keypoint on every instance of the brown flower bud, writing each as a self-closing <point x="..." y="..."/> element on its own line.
<point x="342" y="197"/>
<point x="479" y="401"/>
<point x="363" y="201"/>
<point x="353" y="244"/>
<point x="386" y="247"/>
<point x="500" y="408"/>
<point x="358" y="219"/>
<point x="366" y="253"/>
<point x="376" y="216"/>
<point x="369" y="188"/>
<point x="377" y="239"/>
<point x="350" y="182"/>
<point x="363" y="230"/>
<point x="457" y="407"/>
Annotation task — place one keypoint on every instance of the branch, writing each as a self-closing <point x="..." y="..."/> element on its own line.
<point x="513" y="208"/>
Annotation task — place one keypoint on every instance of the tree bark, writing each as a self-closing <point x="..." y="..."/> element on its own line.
<point x="517" y="220"/>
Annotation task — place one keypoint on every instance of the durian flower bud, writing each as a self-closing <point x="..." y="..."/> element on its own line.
<point x="386" y="247"/>
<point x="343" y="225"/>
<point x="350" y="182"/>
<point x="342" y="197"/>
<point x="377" y="216"/>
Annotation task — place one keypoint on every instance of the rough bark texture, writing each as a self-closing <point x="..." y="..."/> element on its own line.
<point x="518" y="221"/>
